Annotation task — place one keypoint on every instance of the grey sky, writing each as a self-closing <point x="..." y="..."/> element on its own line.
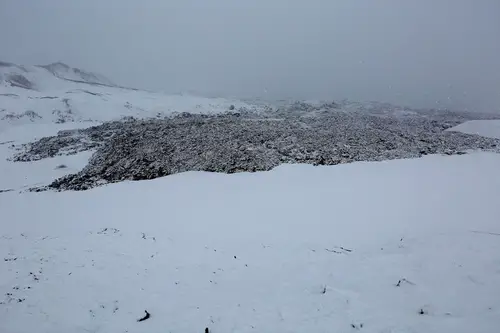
<point x="414" y="52"/>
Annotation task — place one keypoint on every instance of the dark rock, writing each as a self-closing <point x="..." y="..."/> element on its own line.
<point x="18" y="80"/>
<point x="252" y="141"/>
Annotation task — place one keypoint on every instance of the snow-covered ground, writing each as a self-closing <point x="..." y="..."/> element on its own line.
<point x="397" y="246"/>
<point x="488" y="128"/>
<point x="400" y="246"/>
<point x="56" y="96"/>
<point x="21" y="176"/>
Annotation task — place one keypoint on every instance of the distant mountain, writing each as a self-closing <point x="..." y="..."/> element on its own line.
<point x="35" y="77"/>
<point x="58" y="93"/>
<point x="66" y="72"/>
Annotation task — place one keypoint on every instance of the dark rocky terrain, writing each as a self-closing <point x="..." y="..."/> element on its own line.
<point x="245" y="140"/>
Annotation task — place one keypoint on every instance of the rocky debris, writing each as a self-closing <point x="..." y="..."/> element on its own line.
<point x="30" y="114"/>
<point x="146" y="316"/>
<point x="107" y="231"/>
<point x="67" y="142"/>
<point x="53" y="146"/>
<point x="18" y="80"/>
<point x="62" y="116"/>
<point x="242" y="140"/>
<point x="66" y="115"/>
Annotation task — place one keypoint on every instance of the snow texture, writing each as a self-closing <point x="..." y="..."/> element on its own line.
<point x="248" y="141"/>
<point x="489" y="128"/>
<point x="57" y="93"/>
<point x="410" y="245"/>
<point x="399" y="246"/>
<point x="63" y="71"/>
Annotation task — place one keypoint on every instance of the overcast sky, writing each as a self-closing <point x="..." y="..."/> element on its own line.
<point x="414" y="52"/>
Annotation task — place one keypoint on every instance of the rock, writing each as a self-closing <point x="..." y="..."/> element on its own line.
<point x="251" y="141"/>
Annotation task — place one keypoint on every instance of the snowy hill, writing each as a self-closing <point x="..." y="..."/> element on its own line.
<point x="42" y="77"/>
<point x="57" y="93"/>
<point x="63" y="71"/>
<point x="407" y="245"/>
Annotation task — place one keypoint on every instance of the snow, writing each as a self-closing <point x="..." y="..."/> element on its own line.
<point x="21" y="176"/>
<point x="55" y="99"/>
<point x="63" y="71"/>
<point x="487" y="128"/>
<point x="296" y="249"/>
<point x="396" y="246"/>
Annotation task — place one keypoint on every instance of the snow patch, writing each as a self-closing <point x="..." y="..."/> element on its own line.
<point x="486" y="128"/>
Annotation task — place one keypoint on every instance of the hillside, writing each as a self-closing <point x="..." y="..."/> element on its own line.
<point x="57" y="93"/>
<point x="47" y="77"/>
<point x="215" y="221"/>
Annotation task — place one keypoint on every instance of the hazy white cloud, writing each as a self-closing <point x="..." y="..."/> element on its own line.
<point x="414" y="52"/>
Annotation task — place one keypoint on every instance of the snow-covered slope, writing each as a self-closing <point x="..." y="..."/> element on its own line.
<point x="63" y="71"/>
<point x="399" y="246"/>
<point x="47" y="77"/>
<point x="487" y="128"/>
<point x="57" y="93"/>
<point x="389" y="247"/>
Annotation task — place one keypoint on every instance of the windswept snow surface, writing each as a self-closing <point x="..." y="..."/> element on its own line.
<point x="487" y="128"/>
<point x="398" y="246"/>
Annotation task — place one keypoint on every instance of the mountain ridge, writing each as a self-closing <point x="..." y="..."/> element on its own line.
<point x="18" y="75"/>
<point x="58" y="93"/>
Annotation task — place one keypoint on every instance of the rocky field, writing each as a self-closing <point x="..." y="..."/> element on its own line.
<point x="244" y="140"/>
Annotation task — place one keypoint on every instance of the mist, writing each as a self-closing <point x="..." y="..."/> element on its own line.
<point x="426" y="53"/>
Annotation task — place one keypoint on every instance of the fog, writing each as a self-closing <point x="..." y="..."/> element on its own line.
<point x="443" y="53"/>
